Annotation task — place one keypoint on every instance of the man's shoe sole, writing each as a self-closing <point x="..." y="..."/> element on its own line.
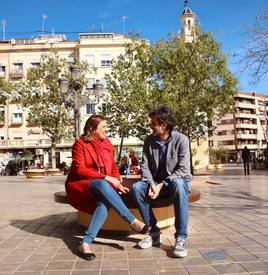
<point x="180" y="255"/>
<point x="146" y="247"/>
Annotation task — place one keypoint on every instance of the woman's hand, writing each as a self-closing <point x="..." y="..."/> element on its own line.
<point x="116" y="183"/>
<point x="122" y="189"/>
<point x="113" y="181"/>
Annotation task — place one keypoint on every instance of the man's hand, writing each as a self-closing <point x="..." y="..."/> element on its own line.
<point x="155" y="190"/>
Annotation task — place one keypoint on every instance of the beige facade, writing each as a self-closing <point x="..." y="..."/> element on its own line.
<point x="246" y="125"/>
<point x="18" y="55"/>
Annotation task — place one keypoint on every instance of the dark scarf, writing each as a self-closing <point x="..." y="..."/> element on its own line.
<point x="104" y="152"/>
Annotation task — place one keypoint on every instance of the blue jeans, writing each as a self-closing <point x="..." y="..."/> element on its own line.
<point x="106" y="197"/>
<point x="176" y="189"/>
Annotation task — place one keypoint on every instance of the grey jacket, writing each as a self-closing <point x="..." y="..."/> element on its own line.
<point x="178" y="158"/>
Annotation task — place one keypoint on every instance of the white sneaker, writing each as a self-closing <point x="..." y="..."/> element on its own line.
<point x="153" y="239"/>
<point x="181" y="248"/>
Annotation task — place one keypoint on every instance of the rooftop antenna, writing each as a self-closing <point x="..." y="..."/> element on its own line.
<point x="123" y="21"/>
<point x="3" y="23"/>
<point x="53" y="31"/>
<point x="102" y="28"/>
<point x="93" y="27"/>
<point x="44" y="17"/>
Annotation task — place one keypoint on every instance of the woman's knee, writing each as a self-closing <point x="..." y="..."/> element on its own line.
<point x="96" y="185"/>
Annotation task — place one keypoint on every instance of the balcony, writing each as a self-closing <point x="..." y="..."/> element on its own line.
<point x="246" y="105"/>
<point x="16" y="73"/>
<point x="246" y="125"/>
<point x="247" y="136"/>
<point x="249" y="146"/>
<point x="33" y="143"/>
<point x="245" y="115"/>
<point x="16" y="121"/>
<point x="2" y="75"/>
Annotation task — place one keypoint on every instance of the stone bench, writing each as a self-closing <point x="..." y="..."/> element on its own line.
<point x="163" y="209"/>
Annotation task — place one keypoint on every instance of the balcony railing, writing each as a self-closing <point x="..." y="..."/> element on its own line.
<point x="245" y="105"/>
<point x="2" y="74"/>
<point x="16" y="73"/>
<point x="16" y="121"/>
<point x="247" y="136"/>
<point x="33" y="143"/>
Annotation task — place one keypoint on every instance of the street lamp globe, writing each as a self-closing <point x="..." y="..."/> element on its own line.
<point x="75" y="70"/>
<point x="98" y="89"/>
<point x="64" y="85"/>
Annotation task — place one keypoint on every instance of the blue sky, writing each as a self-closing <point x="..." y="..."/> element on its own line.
<point x="154" y="19"/>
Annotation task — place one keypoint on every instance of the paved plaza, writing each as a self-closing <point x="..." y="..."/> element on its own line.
<point x="228" y="231"/>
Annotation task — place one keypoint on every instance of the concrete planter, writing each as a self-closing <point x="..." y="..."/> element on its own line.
<point x="210" y="167"/>
<point x="54" y="172"/>
<point x="35" y="173"/>
<point x="218" y="166"/>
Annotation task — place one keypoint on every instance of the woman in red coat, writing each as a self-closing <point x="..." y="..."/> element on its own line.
<point x="93" y="182"/>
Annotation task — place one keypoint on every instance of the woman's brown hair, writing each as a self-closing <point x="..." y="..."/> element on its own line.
<point x="91" y="125"/>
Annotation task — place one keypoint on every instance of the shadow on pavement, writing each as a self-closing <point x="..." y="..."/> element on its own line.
<point x="64" y="226"/>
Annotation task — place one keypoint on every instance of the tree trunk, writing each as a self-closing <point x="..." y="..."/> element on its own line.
<point x="120" y="148"/>
<point x="53" y="154"/>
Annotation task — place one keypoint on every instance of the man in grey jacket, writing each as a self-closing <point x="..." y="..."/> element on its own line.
<point x="165" y="173"/>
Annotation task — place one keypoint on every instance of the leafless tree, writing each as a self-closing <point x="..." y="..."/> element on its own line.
<point x="255" y="59"/>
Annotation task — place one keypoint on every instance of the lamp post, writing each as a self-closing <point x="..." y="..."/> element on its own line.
<point x="72" y="96"/>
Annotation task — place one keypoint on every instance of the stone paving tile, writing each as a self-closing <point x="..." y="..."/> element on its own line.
<point x="255" y="266"/>
<point x="244" y="258"/>
<point x="87" y="265"/>
<point x="85" y="272"/>
<point x="140" y="271"/>
<point x="168" y="263"/>
<point x="115" y="255"/>
<point x="8" y="267"/>
<point x="201" y="270"/>
<point x="141" y="264"/>
<point x="229" y="268"/>
<point x="27" y="273"/>
<point x="172" y="271"/>
<point x="115" y="264"/>
<point x="60" y="265"/>
<point x="56" y="272"/>
<point x="262" y="255"/>
<point x="33" y="266"/>
<point x="114" y="272"/>
<point x="140" y="254"/>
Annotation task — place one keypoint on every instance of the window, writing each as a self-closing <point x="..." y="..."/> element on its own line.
<point x="90" y="59"/>
<point x="189" y="24"/>
<point x="104" y="83"/>
<point x="2" y="69"/>
<point x="17" y="67"/>
<point x="35" y="65"/>
<point x="106" y="60"/>
<point x="90" y="109"/>
<point x="90" y="82"/>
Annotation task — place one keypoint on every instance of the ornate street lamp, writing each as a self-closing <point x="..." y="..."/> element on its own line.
<point x="72" y="95"/>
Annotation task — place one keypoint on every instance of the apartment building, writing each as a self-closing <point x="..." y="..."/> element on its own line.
<point x="246" y="125"/>
<point x="18" y="55"/>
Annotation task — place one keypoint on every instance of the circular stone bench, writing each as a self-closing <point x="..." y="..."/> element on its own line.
<point x="163" y="209"/>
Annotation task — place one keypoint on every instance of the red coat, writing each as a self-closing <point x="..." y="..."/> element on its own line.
<point x="83" y="169"/>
